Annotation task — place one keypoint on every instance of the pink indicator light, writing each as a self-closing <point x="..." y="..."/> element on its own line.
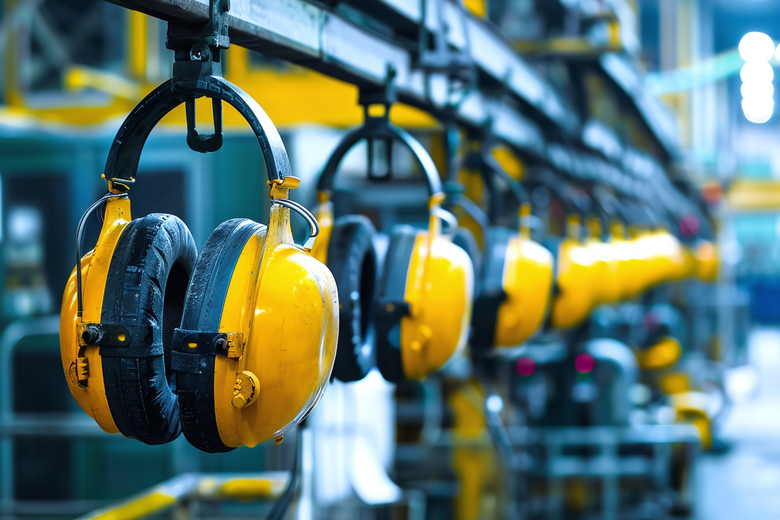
<point x="584" y="363"/>
<point x="525" y="366"/>
<point x="689" y="226"/>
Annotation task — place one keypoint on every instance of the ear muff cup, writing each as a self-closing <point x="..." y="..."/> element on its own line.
<point x="491" y="294"/>
<point x="391" y="306"/>
<point x="466" y="241"/>
<point x="145" y="289"/>
<point x="353" y="262"/>
<point x="203" y="312"/>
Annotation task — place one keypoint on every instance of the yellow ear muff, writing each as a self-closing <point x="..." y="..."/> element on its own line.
<point x="576" y="280"/>
<point x="264" y="364"/>
<point x="629" y="267"/>
<point x="423" y="303"/>
<point x="527" y="281"/>
<point x="439" y="291"/>
<point x="606" y="265"/>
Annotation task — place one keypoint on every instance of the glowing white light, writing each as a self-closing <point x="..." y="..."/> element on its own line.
<point x="758" y="104"/>
<point x="758" y="111"/>
<point x="494" y="404"/>
<point x="757" y="71"/>
<point x="757" y="49"/>
<point x="756" y="46"/>
<point x="757" y="90"/>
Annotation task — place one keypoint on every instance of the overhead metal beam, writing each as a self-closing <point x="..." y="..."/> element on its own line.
<point x="516" y="100"/>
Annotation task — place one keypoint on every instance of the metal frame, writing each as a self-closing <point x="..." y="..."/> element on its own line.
<point x="510" y="97"/>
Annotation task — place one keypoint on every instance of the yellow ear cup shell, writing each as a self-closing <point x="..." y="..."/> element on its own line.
<point x="527" y="282"/>
<point x="290" y="349"/>
<point x="92" y="397"/>
<point x="439" y="290"/>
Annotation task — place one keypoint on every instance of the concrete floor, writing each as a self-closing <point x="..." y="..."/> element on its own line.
<point x="744" y="483"/>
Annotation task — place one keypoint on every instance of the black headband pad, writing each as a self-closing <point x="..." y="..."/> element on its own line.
<point x="384" y="131"/>
<point x="130" y="139"/>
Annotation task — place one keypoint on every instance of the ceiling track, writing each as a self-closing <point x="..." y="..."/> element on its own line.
<point x="510" y="96"/>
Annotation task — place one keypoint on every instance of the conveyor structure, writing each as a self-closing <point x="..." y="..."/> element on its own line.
<point x="361" y="41"/>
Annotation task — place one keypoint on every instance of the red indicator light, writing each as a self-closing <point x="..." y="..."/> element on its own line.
<point x="584" y="363"/>
<point x="525" y="366"/>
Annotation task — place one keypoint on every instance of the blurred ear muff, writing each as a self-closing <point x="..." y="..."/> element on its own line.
<point x="517" y="273"/>
<point x="422" y="305"/>
<point x="464" y="239"/>
<point x="352" y="259"/>
<point x="346" y="247"/>
<point x="606" y="265"/>
<point x="255" y="361"/>
<point x="575" y="279"/>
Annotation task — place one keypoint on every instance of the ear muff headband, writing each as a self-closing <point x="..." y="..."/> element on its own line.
<point x="122" y="163"/>
<point x="372" y="129"/>
<point x="125" y="153"/>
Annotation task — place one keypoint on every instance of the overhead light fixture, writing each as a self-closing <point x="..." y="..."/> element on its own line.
<point x="756" y="46"/>
<point x="757" y="74"/>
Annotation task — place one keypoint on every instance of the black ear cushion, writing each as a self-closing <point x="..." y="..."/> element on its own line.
<point x="466" y="241"/>
<point x="203" y="312"/>
<point x="145" y="288"/>
<point x="491" y="294"/>
<point x="353" y="262"/>
<point x="390" y="305"/>
<point x="553" y="245"/>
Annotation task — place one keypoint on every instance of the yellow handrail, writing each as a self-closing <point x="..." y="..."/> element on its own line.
<point x="195" y="486"/>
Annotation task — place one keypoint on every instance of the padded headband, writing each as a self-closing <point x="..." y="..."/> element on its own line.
<point x="126" y="149"/>
<point x="379" y="128"/>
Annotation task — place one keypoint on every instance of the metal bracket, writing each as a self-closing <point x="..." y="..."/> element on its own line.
<point x="375" y="127"/>
<point x="455" y="64"/>
<point x="197" y="54"/>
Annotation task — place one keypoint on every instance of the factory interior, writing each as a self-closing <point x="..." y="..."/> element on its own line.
<point x="389" y="260"/>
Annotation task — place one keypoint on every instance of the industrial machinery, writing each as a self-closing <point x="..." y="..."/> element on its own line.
<point x="493" y="320"/>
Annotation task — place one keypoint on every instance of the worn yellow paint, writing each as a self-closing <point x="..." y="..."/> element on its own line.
<point x="94" y="274"/>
